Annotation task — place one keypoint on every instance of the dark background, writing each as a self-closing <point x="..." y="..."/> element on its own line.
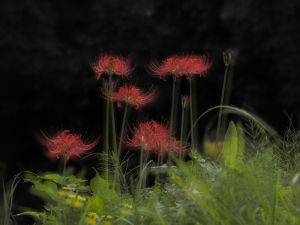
<point x="47" y="48"/>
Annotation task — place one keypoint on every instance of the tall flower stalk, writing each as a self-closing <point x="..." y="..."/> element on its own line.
<point x="181" y="66"/>
<point x="227" y="59"/>
<point x="112" y="65"/>
<point x="184" y="105"/>
<point x="130" y="95"/>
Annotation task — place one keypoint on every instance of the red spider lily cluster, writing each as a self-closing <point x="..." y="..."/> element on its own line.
<point x="149" y="136"/>
<point x="130" y="94"/>
<point x="154" y="137"/>
<point x="181" y="66"/>
<point x="112" y="64"/>
<point x="66" y="145"/>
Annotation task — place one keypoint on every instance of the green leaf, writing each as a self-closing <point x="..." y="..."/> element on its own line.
<point x="54" y="177"/>
<point x="230" y="146"/>
<point x="62" y="180"/>
<point x="241" y="143"/>
<point x="83" y="188"/>
<point x="96" y="204"/>
<point x="100" y="187"/>
<point x="40" y="215"/>
<point x="49" y="187"/>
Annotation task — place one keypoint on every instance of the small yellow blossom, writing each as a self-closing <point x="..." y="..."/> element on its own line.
<point x="77" y="204"/>
<point x="68" y="188"/>
<point x="74" y="202"/>
<point x="127" y="206"/>
<point x="90" y="221"/>
<point x="93" y="215"/>
<point x="63" y="193"/>
<point x="109" y="217"/>
<point x="80" y="198"/>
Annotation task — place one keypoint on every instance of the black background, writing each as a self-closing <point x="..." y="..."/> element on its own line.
<point x="47" y="48"/>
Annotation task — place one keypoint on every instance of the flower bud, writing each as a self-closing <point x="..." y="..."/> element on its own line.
<point x="185" y="100"/>
<point x="229" y="57"/>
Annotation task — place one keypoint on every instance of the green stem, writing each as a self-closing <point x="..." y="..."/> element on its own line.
<point x="191" y="115"/>
<point x="122" y="130"/>
<point x="172" y="108"/>
<point x="220" y="111"/>
<point x="118" y="155"/>
<point x="181" y="133"/>
<point x="171" y="119"/>
<point x="227" y="95"/>
<point x="113" y="121"/>
<point x="142" y="165"/>
<point x="64" y="172"/>
<point x="106" y="145"/>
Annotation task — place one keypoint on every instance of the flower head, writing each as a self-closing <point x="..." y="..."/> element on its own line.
<point x="131" y="95"/>
<point x="153" y="137"/>
<point x="112" y="64"/>
<point x="181" y="66"/>
<point x="66" y="145"/>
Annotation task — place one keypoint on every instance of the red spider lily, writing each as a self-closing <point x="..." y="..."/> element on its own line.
<point x="112" y="64"/>
<point x="153" y="137"/>
<point x="131" y="95"/>
<point x="181" y="66"/>
<point x="66" y="145"/>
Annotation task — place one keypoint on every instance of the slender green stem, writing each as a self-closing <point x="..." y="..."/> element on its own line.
<point x="106" y="145"/>
<point x="220" y="111"/>
<point x="64" y="172"/>
<point x="113" y="124"/>
<point x="122" y="130"/>
<point x="181" y="133"/>
<point x="142" y="165"/>
<point x="172" y="118"/>
<point x="227" y="94"/>
<point x="118" y="154"/>
<point x="172" y="108"/>
<point x="191" y="115"/>
<point x="113" y="121"/>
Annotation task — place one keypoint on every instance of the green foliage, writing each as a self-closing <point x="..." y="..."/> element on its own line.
<point x="100" y="188"/>
<point x="230" y="147"/>
<point x="6" y="202"/>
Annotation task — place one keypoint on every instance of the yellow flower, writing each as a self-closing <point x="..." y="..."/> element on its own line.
<point x="93" y="215"/>
<point x="63" y="193"/>
<point x="80" y="198"/>
<point x="106" y="223"/>
<point x="127" y="206"/>
<point x="74" y="202"/>
<point x="77" y="204"/>
<point x="109" y="217"/>
<point x="90" y="221"/>
<point x="69" y="201"/>
<point x="68" y="188"/>
<point x="72" y="196"/>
